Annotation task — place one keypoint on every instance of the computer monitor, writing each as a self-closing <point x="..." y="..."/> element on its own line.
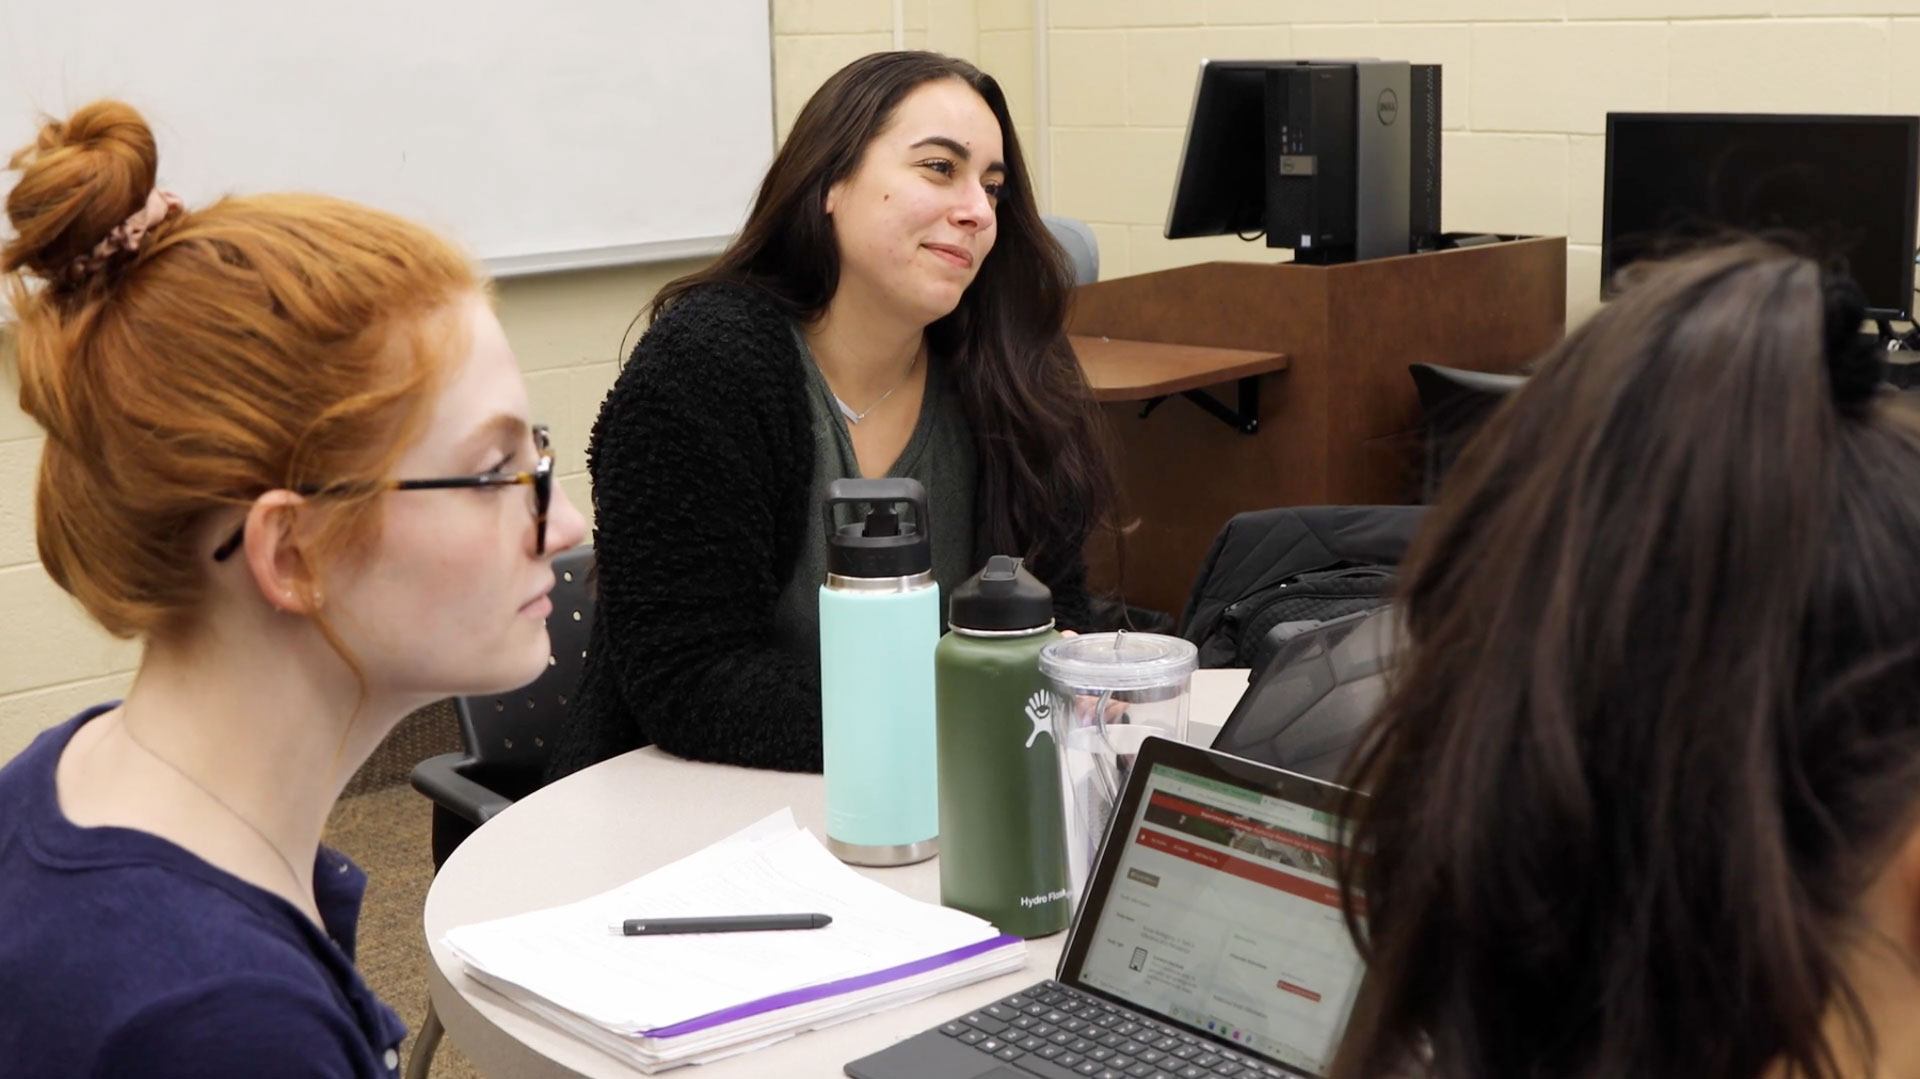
<point x="1221" y="189"/>
<point x="1844" y="186"/>
<point x="1337" y="159"/>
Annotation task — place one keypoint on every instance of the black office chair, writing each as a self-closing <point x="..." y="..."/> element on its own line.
<point x="1454" y="402"/>
<point x="508" y="738"/>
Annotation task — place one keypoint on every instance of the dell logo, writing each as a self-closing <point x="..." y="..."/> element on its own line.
<point x="1388" y="107"/>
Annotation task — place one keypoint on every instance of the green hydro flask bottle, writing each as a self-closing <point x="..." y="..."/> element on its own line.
<point x="1003" y="854"/>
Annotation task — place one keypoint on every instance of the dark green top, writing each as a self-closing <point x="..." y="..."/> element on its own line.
<point x="702" y="463"/>
<point x="939" y="454"/>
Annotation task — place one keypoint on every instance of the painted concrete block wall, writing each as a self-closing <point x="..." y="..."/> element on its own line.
<point x="814" y="38"/>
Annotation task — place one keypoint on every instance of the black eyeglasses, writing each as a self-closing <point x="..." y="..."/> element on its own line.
<point x="541" y="479"/>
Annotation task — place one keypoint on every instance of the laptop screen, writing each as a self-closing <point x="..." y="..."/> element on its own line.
<point x="1309" y="707"/>
<point x="1217" y="909"/>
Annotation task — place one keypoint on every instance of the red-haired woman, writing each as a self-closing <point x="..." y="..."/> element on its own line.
<point x="289" y="450"/>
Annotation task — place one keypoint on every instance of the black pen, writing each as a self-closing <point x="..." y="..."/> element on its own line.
<point x="733" y="923"/>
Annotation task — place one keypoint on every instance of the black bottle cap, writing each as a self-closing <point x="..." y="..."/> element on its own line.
<point x="1002" y="597"/>
<point x="879" y="543"/>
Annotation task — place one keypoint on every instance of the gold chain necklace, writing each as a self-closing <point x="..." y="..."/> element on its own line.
<point x="292" y="873"/>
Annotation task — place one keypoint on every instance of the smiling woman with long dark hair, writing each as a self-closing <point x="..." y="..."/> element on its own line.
<point x="894" y="306"/>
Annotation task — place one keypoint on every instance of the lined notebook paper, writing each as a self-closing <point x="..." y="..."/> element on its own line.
<point x="658" y="1001"/>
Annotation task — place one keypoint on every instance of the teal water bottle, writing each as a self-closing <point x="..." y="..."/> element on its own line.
<point x="1003" y="853"/>
<point x="879" y="623"/>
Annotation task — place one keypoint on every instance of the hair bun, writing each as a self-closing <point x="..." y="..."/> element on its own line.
<point x="80" y="178"/>
<point x="1856" y="364"/>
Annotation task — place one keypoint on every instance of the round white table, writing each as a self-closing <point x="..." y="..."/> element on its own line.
<point x="608" y="824"/>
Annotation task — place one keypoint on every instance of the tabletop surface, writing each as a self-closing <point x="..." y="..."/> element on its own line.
<point x="1125" y="370"/>
<point x="604" y="826"/>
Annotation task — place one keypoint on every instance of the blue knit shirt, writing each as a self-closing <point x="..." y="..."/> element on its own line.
<point x="121" y="954"/>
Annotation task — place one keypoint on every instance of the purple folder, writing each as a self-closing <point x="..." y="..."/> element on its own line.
<point x="827" y="989"/>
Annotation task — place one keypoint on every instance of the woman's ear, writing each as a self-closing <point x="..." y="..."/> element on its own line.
<point x="276" y="557"/>
<point x="1898" y="896"/>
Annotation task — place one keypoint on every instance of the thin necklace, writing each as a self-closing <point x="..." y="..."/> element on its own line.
<point x="294" y="874"/>
<point x="855" y="417"/>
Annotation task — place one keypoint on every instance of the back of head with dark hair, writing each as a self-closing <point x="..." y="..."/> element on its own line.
<point x="1041" y="440"/>
<point x="1659" y="724"/>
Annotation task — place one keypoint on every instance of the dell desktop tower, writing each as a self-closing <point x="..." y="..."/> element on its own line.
<point x="1337" y="159"/>
<point x="1337" y="134"/>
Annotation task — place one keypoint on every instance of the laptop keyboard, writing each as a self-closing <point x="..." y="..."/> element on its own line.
<point x="1054" y="1031"/>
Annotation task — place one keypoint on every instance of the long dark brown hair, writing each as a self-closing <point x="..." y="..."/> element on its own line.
<point x="1045" y="475"/>
<point x="1659" y="725"/>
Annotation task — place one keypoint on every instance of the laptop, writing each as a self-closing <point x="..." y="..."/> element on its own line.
<point x="1209" y="943"/>
<point x="1307" y="707"/>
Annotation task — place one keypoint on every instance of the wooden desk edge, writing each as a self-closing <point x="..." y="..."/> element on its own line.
<point x="1204" y="366"/>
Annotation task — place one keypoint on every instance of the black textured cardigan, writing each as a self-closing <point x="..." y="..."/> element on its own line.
<point x="701" y="463"/>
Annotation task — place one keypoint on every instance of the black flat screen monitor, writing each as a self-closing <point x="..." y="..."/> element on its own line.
<point x="1841" y="186"/>
<point x="1221" y="189"/>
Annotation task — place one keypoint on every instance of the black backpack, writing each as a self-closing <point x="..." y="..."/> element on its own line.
<point x="1272" y="568"/>
<point x="1257" y="624"/>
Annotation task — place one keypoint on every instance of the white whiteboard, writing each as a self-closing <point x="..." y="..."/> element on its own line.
<point x="539" y="134"/>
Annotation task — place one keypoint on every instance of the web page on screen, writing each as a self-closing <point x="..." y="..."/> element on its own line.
<point x="1224" y="914"/>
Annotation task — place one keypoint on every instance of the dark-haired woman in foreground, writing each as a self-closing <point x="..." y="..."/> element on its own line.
<point x="1644" y="796"/>
<point x="893" y="306"/>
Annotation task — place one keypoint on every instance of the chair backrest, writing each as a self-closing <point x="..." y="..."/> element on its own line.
<point x="509" y="736"/>
<point x="1080" y="244"/>
<point x="1454" y="402"/>
<point x="1437" y="385"/>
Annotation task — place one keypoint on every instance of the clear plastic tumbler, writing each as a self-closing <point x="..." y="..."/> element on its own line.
<point x="1111" y="692"/>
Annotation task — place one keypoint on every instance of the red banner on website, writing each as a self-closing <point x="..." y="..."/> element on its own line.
<point x="1240" y="824"/>
<point x="1290" y="883"/>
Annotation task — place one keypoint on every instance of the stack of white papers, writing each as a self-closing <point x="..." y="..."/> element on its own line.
<point x="659" y="1001"/>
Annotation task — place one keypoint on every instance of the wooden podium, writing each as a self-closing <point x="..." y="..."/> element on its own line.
<point x="1284" y="384"/>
